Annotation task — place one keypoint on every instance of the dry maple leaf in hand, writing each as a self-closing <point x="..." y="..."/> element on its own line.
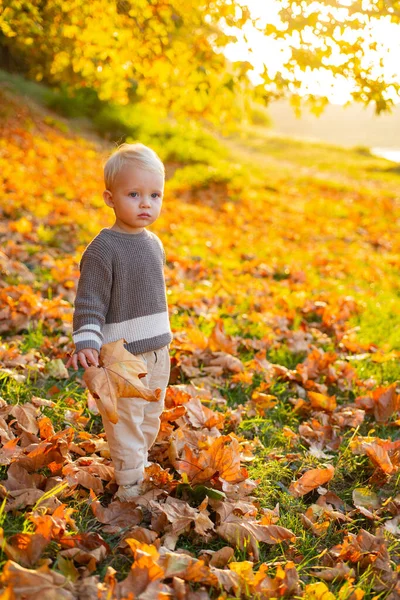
<point x="117" y="377"/>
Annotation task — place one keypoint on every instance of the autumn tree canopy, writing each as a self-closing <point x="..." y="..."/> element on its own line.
<point x="334" y="36"/>
<point x="169" y="53"/>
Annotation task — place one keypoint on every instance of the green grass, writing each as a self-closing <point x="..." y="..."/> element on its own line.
<point x="379" y="322"/>
<point x="321" y="156"/>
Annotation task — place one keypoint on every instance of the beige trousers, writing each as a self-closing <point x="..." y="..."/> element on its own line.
<point x="138" y="421"/>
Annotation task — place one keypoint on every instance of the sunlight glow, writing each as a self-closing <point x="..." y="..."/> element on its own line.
<point x="260" y="50"/>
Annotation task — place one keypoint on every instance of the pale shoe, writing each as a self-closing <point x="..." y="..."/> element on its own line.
<point x="126" y="493"/>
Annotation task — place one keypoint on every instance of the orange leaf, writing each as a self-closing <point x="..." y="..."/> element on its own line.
<point x="386" y="402"/>
<point x="46" y="429"/>
<point x="222" y="458"/>
<point x="379" y="456"/>
<point x="321" y="401"/>
<point x="25" y="548"/>
<point x="311" y="480"/>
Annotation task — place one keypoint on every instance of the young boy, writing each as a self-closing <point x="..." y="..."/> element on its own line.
<point x="121" y="294"/>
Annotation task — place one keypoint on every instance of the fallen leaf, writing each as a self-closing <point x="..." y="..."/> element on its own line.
<point x="221" y="557"/>
<point x="119" y="514"/>
<point x="245" y="532"/>
<point x="24" y="548"/>
<point x="310" y="480"/>
<point x="365" y="497"/>
<point x="220" y="341"/>
<point x="321" y="401"/>
<point x="318" y="591"/>
<point x="340" y="571"/>
<point x="181" y="516"/>
<point x="222" y="458"/>
<point x="36" y="584"/>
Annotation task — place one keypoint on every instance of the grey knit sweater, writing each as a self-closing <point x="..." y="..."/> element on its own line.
<point x="121" y="293"/>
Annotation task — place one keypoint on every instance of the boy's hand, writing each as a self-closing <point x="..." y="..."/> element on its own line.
<point x="88" y="357"/>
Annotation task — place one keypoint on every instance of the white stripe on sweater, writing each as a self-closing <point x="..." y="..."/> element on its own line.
<point x="137" y="329"/>
<point x="89" y="326"/>
<point x="85" y="336"/>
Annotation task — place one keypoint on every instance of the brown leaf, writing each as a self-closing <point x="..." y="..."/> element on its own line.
<point x="339" y="572"/>
<point x="348" y="416"/>
<point x="177" y="564"/>
<point x="119" y="514"/>
<point x="10" y="450"/>
<point x="53" y="449"/>
<point x="221" y="557"/>
<point x="18" y="499"/>
<point x="386" y="402"/>
<point x="93" y="465"/>
<point x="85" y="548"/>
<point x="379" y="452"/>
<point x="383" y="402"/>
<point x="227" y="362"/>
<point x="369" y="551"/>
<point x="310" y="480"/>
<point x="26" y="415"/>
<point x="228" y="579"/>
<point x="117" y="377"/>
<point x="181" y="516"/>
<point x="18" y="478"/>
<point x="245" y="532"/>
<point x="24" y="548"/>
<point x="201" y="416"/>
<point x="42" y="402"/>
<point x="36" y="584"/>
<point x="141" y="534"/>
<point x="75" y="475"/>
<point x="6" y="433"/>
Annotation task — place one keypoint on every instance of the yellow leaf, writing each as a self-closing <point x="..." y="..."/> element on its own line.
<point x="318" y="591"/>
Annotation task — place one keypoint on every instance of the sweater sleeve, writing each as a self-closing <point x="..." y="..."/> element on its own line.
<point x="161" y="245"/>
<point x="91" y="302"/>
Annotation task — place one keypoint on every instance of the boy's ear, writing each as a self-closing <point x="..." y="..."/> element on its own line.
<point x="107" y="196"/>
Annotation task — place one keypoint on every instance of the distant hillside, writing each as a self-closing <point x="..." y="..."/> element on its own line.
<point x="347" y="126"/>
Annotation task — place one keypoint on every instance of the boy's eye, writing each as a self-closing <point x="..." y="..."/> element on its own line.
<point x="155" y="195"/>
<point x="132" y="193"/>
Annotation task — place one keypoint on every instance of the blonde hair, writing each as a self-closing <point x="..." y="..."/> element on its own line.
<point x="135" y="154"/>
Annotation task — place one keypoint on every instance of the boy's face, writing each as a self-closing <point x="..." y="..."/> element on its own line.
<point x="136" y="198"/>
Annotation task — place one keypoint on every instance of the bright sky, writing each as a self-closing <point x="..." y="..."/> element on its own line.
<point x="260" y="50"/>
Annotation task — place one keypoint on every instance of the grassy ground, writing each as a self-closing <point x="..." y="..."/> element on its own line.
<point x="295" y="248"/>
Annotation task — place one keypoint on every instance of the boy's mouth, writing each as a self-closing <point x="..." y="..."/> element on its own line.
<point x="144" y="215"/>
